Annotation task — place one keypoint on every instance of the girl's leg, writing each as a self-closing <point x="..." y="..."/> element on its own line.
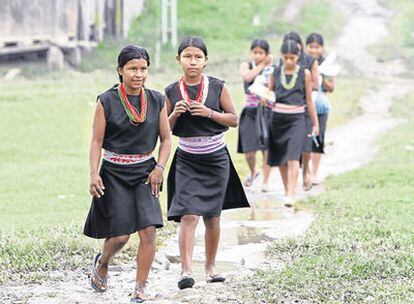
<point x="284" y="174"/>
<point x="307" y="181"/>
<point x="266" y="169"/>
<point x="186" y="241"/>
<point x="145" y="257"/>
<point x="292" y="173"/>
<point x="212" y="238"/>
<point x="111" y="247"/>
<point x="316" y="159"/>
<point x="251" y="162"/>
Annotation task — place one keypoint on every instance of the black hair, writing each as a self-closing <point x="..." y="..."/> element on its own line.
<point x="193" y="41"/>
<point x="290" y="46"/>
<point x="261" y="43"/>
<point x="293" y="36"/>
<point x="315" y="37"/>
<point x="130" y="52"/>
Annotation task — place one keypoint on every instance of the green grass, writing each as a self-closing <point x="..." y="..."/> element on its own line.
<point x="360" y="247"/>
<point x="399" y="44"/>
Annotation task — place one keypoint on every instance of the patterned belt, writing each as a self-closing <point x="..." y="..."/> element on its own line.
<point x="252" y="101"/>
<point x="126" y="159"/>
<point x="202" y="145"/>
<point x="287" y="109"/>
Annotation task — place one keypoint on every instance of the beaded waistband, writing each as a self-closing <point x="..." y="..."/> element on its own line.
<point x="125" y="159"/>
<point x="202" y="145"/>
<point x="252" y="101"/>
<point x="287" y="109"/>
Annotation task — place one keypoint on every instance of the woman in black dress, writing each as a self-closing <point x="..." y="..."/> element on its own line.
<point x="202" y="180"/>
<point x="315" y="49"/>
<point x="248" y="141"/>
<point x="128" y="120"/>
<point x="292" y="85"/>
<point x="311" y="64"/>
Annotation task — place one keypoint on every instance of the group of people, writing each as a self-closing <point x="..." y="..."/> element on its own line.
<point x="125" y="178"/>
<point x="296" y="118"/>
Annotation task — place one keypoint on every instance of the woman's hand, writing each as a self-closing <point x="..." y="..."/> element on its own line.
<point x="199" y="109"/>
<point x="315" y="131"/>
<point x="155" y="179"/>
<point x="180" y="108"/>
<point x="96" y="187"/>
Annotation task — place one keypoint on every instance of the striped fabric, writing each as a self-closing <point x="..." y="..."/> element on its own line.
<point x="287" y="109"/>
<point x="252" y="101"/>
<point x="125" y="159"/>
<point x="202" y="145"/>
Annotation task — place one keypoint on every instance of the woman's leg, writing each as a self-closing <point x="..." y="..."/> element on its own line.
<point x="283" y="169"/>
<point x="316" y="159"/>
<point x="111" y="247"/>
<point x="292" y="176"/>
<point x="186" y="241"/>
<point x="306" y="171"/>
<point x="266" y="169"/>
<point x="212" y="238"/>
<point x="251" y="162"/>
<point x="145" y="256"/>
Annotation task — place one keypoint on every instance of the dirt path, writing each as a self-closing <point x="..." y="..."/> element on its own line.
<point x="247" y="232"/>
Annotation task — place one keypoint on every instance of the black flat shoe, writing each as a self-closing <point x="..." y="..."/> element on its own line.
<point x="185" y="282"/>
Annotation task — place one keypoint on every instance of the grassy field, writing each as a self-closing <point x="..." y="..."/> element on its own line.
<point x="360" y="247"/>
<point x="46" y="127"/>
<point x="399" y="44"/>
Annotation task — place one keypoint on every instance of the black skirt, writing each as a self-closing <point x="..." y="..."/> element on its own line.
<point x="127" y="205"/>
<point x="307" y="140"/>
<point x="286" y="138"/>
<point x="203" y="184"/>
<point x="248" y="138"/>
<point x="322" y="118"/>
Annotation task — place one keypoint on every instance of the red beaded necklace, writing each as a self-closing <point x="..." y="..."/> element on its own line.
<point x="186" y="97"/>
<point x="135" y="117"/>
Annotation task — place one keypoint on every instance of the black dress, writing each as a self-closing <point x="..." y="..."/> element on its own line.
<point x="201" y="184"/>
<point x="306" y="62"/>
<point x="248" y="140"/>
<point x="287" y="130"/>
<point x="323" y="119"/>
<point x="128" y="204"/>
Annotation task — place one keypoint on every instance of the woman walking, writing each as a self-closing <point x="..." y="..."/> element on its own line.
<point x="128" y="120"/>
<point x="202" y="180"/>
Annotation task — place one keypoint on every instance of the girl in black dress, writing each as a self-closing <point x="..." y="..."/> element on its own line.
<point x="311" y="64"/>
<point x="128" y="120"/>
<point x="292" y="85"/>
<point x="202" y="180"/>
<point x="248" y="142"/>
<point x="315" y="48"/>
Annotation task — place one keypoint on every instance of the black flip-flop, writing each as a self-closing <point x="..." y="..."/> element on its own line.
<point x="94" y="274"/>
<point x="137" y="300"/>
<point x="185" y="282"/>
<point x="215" y="278"/>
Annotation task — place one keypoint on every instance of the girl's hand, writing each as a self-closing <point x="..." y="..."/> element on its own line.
<point x="96" y="187"/>
<point x="155" y="179"/>
<point x="180" y="108"/>
<point x="268" y="60"/>
<point x="199" y="109"/>
<point x="315" y="131"/>
<point x="262" y="102"/>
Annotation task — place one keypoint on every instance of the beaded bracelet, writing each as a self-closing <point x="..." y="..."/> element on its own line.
<point x="210" y="115"/>
<point x="159" y="166"/>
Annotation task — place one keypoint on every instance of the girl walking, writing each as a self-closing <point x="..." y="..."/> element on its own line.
<point x="311" y="64"/>
<point x="292" y="85"/>
<point x="128" y="120"/>
<point x="249" y="143"/>
<point x="315" y="49"/>
<point x="202" y="180"/>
